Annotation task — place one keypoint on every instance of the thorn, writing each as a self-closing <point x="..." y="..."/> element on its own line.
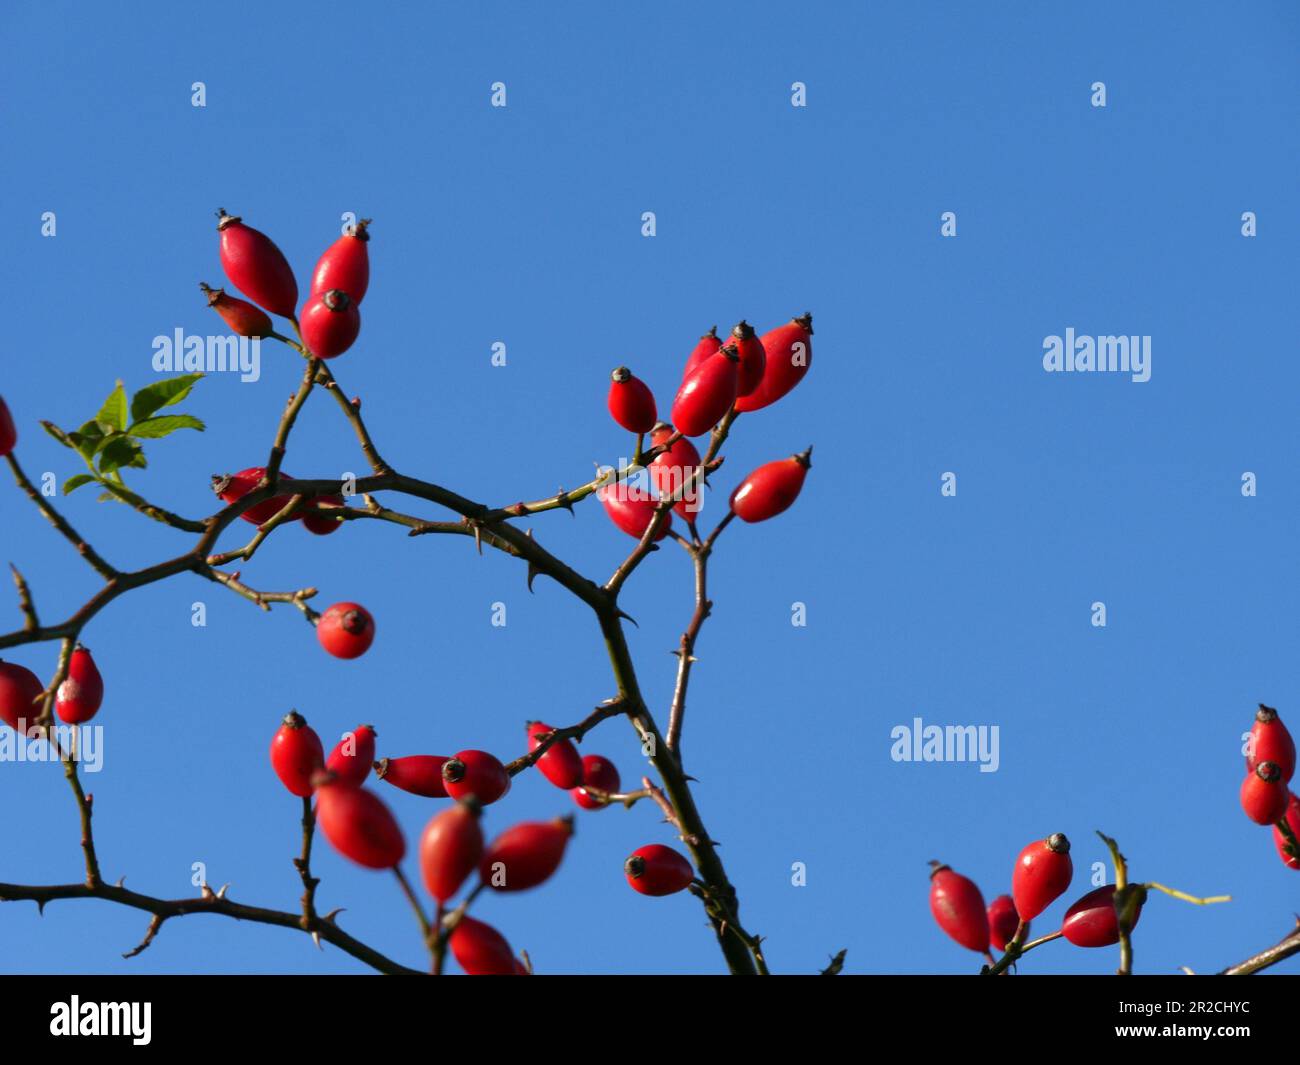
<point x="222" y="893"/>
<point x="478" y="537"/>
<point x="562" y="499"/>
<point x="629" y="617"/>
<point x="315" y="938"/>
<point x="121" y="880"/>
<point x="332" y="914"/>
<point x="40" y="907"/>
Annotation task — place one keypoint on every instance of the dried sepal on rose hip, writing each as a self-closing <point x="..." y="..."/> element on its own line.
<point x="658" y="870"/>
<point x="20" y="690"/>
<point x="1042" y="873"/>
<point x="82" y="693"/>
<point x="788" y="350"/>
<point x="357" y="823"/>
<point x="772" y="488"/>
<point x="450" y="849"/>
<point x="330" y="323"/>
<point x="526" y="854"/>
<point x="630" y="401"/>
<point x="246" y="319"/>
<point x="256" y="266"/>
<point x="346" y="630"/>
<point x="420" y="774"/>
<point x="345" y="264"/>
<point x="475" y="774"/>
<point x="958" y="908"/>
<point x="297" y="754"/>
<point x="707" y="393"/>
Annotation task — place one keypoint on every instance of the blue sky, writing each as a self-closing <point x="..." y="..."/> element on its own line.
<point x="523" y="225"/>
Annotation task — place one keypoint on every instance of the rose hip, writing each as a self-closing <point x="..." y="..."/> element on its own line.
<point x="450" y="849"/>
<point x="526" y="854"/>
<point x="631" y="403"/>
<point x="345" y="264"/>
<point x="1270" y="742"/>
<point x="296" y="754"/>
<point x="561" y="764"/>
<point x="958" y="907"/>
<point x="600" y="773"/>
<point x="358" y="824"/>
<point x="475" y="774"/>
<point x="353" y="755"/>
<point x="346" y="630"/>
<point x="256" y="266"/>
<point x="420" y="774"/>
<point x="1043" y="871"/>
<point x="81" y="694"/>
<point x="1003" y="921"/>
<point x="789" y="356"/>
<point x="20" y="689"/>
<point x="771" y="489"/>
<point x="1264" y="794"/>
<point x="658" y="870"/>
<point x="246" y="319"/>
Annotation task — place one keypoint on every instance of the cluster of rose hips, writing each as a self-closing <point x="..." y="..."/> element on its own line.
<point x="1042" y="874"/>
<point x="78" y="699"/>
<point x="360" y="826"/>
<point x="746" y="373"/>
<point x="1265" y="793"/>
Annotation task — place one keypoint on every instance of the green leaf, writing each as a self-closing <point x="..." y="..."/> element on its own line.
<point x="88" y="439"/>
<point x="154" y="428"/>
<point x="121" y="451"/>
<point x="113" y="412"/>
<point x="58" y="434"/>
<point x="75" y="482"/>
<point x="160" y="394"/>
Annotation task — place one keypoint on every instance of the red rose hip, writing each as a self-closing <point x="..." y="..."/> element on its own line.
<point x="345" y="264"/>
<point x="323" y="524"/>
<point x="672" y="472"/>
<point x="20" y="689"/>
<point x="80" y="696"/>
<point x="1003" y="921"/>
<point x="246" y="319"/>
<point x="1270" y="742"/>
<point x="256" y="266"/>
<point x="8" y="431"/>
<point x="346" y="630"/>
<point x="771" y="489"/>
<point x="631" y="403"/>
<point x="353" y="755"/>
<point x="657" y="870"/>
<point x="475" y="774"/>
<point x="600" y="773"/>
<point x="1264" y="794"/>
<point x="708" y="345"/>
<point x="1043" y="871"/>
<point x="358" y="824"/>
<point x="708" y="393"/>
<point x="1092" y="921"/>
<point x="234" y="486"/>
<point x="752" y="358"/>
<point x="788" y="350"/>
<point x="450" y="849"/>
<point x="526" y="854"/>
<point x="330" y="323"/>
<point x="561" y="764"/>
<point x="481" y="950"/>
<point x="631" y="510"/>
<point x="420" y="774"/>
<point x="958" y="908"/>
<point x="296" y="754"/>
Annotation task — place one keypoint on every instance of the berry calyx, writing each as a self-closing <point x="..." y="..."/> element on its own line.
<point x="631" y="510"/>
<point x="246" y="319"/>
<point x="296" y="754"/>
<point x="672" y="472"/>
<point x="708" y="393"/>
<point x="1003" y="922"/>
<point x="525" y="855"/>
<point x="708" y="345"/>
<point x="81" y="694"/>
<point x="330" y="323"/>
<point x="450" y="849"/>
<point x="475" y="774"/>
<point x="420" y="774"/>
<point x="788" y="350"/>
<point x="353" y="755"/>
<point x="357" y="823"/>
<point x="561" y="764"/>
<point x="8" y="431"/>
<point x="20" y="690"/>
<point x="1264" y="794"/>
<point x="481" y="950"/>
<point x="345" y="264"/>
<point x="657" y="870"/>
<point x="600" y="773"/>
<point x="323" y="524"/>
<point x="958" y="907"/>
<point x="753" y="358"/>
<point x="1092" y="920"/>
<point x="1291" y="861"/>
<point x="256" y="266"/>
<point x="1270" y="742"/>
<point x="1043" y="871"/>
<point x="234" y="486"/>
<point x="346" y="630"/>
<point x="630" y="401"/>
<point x="772" y="488"/>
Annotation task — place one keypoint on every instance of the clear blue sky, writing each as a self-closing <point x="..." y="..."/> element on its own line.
<point x="522" y="225"/>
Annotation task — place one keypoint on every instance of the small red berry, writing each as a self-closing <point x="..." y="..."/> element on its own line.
<point x="481" y="950"/>
<point x="600" y="773"/>
<point x="450" y="849"/>
<point x="8" y="431"/>
<point x="246" y="319"/>
<point x="525" y="855"/>
<point x="330" y="323"/>
<point x="323" y="524"/>
<point x="1292" y="861"/>
<point x="346" y="630"/>
<point x="1264" y="794"/>
<point x="673" y="472"/>
<point x="353" y="755"/>
<point x="958" y="907"/>
<point x="345" y="264"/>
<point x="708" y="345"/>
<point x="771" y="489"/>
<point x="296" y="754"/>
<point x="80" y="696"/>
<point x="752" y="358"/>
<point x="1003" y="922"/>
<point x="420" y="774"/>
<point x="631" y="403"/>
<point x="20" y="689"/>
<point x="631" y="510"/>
<point x="657" y="870"/>
<point x="475" y="774"/>
<point x="234" y="486"/>
<point x="789" y="355"/>
<point x="1092" y="921"/>
<point x="358" y="824"/>
<point x="256" y="266"/>
<point x="1270" y="742"/>
<point x="708" y="393"/>
<point x="561" y="764"/>
<point x="1043" y="872"/>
